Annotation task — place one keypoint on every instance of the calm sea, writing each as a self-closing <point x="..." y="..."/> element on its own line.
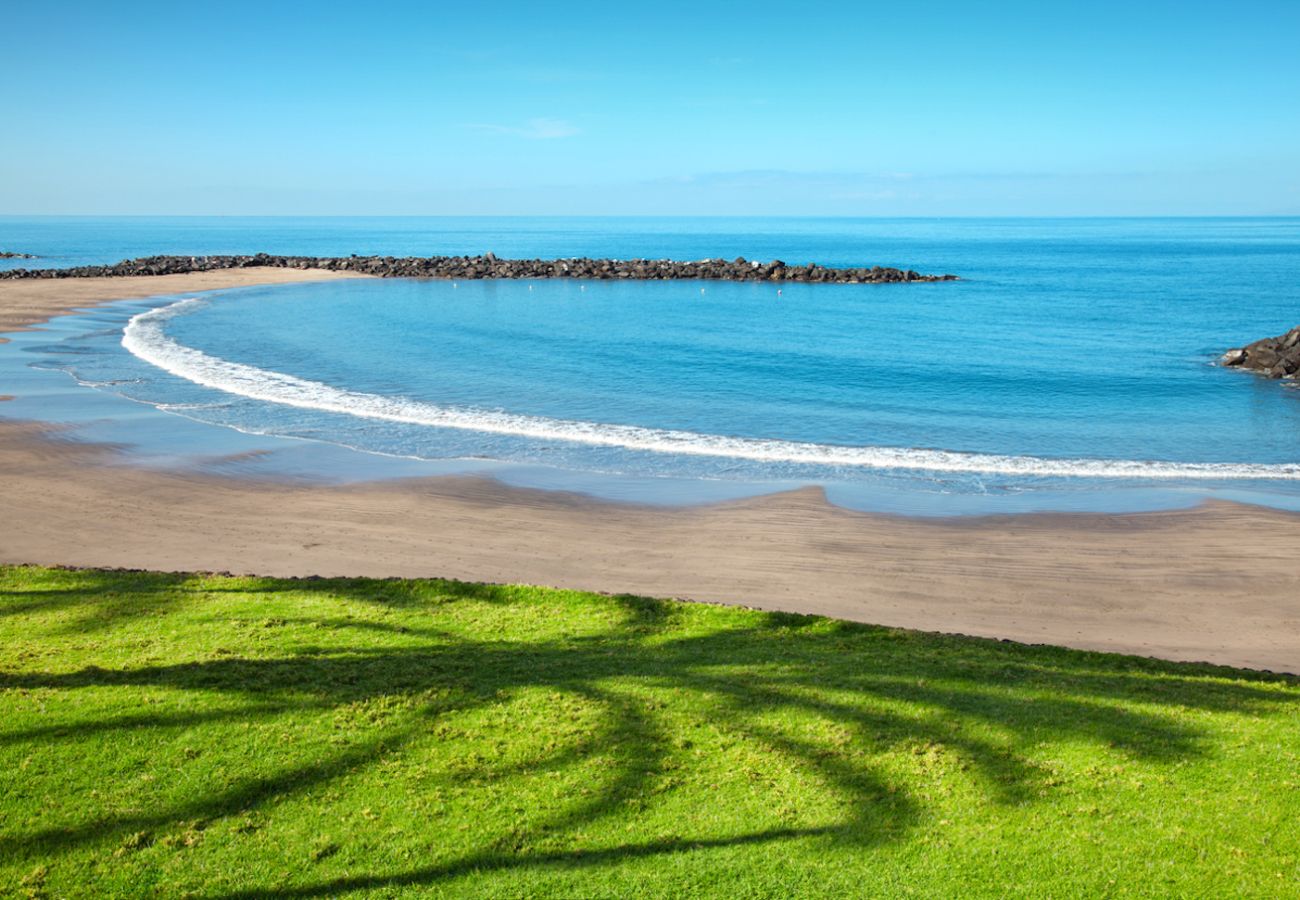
<point x="1071" y="367"/>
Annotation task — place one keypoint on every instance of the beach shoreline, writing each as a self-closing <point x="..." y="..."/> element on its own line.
<point x="1215" y="583"/>
<point x="26" y="303"/>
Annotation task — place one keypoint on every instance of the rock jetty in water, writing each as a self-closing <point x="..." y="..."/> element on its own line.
<point x="1277" y="357"/>
<point x="9" y="254"/>
<point x="489" y="266"/>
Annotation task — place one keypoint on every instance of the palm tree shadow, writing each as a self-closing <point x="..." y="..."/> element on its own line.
<point x="980" y="701"/>
<point x="99" y="600"/>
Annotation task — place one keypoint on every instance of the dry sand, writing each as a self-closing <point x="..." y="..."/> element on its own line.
<point x="1218" y="583"/>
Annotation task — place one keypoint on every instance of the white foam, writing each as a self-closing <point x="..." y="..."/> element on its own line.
<point x="145" y="337"/>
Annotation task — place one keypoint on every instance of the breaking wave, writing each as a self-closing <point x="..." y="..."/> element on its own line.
<point x="145" y="337"/>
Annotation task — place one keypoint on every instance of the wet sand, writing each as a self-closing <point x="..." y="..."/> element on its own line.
<point x="1218" y="583"/>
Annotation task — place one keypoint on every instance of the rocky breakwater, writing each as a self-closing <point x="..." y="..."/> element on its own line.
<point x="1277" y="357"/>
<point x="490" y="266"/>
<point x="9" y="254"/>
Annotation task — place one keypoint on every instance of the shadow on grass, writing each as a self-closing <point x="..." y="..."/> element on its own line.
<point x="981" y="700"/>
<point x="103" y="599"/>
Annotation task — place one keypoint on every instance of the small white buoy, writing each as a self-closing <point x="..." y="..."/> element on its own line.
<point x="701" y="290"/>
<point x="455" y="285"/>
<point x="778" y="292"/>
<point x="530" y="287"/>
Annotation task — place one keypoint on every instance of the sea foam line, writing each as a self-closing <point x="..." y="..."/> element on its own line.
<point x="145" y="337"/>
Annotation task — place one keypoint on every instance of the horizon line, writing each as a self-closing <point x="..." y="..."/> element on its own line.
<point x="10" y="215"/>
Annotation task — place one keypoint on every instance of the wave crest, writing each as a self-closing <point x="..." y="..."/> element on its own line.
<point x="145" y="337"/>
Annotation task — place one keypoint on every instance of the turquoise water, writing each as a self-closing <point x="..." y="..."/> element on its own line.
<point x="1072" y="367"/>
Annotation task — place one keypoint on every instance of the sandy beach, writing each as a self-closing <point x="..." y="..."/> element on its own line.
<point x="25" y="302"/>
<point x="1217" y="583"/>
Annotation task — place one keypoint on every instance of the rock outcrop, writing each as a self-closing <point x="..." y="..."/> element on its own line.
<point x="1277" y="357"/>
<point x="489" y="266"/>
<point x="9" y="254"/>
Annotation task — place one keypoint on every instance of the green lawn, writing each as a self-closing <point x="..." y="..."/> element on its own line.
<point x="224" y="737"/>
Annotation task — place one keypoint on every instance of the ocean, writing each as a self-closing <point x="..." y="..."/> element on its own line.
<point x="1071" y="367"/>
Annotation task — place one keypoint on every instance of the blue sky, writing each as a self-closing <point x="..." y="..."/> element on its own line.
<point x="904" y="108"/>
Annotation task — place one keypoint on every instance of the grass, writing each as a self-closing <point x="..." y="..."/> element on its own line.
<point x="234" y="737"/>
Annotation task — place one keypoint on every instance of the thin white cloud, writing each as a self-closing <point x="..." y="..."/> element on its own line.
<point x="533" y="130"/>
<point x="749" y="179"/>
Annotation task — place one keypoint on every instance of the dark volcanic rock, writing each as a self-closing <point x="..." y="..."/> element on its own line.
<point x="9" y="254"/>
<point x="490" y="266"/>
<point x="1277" y="357"/>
